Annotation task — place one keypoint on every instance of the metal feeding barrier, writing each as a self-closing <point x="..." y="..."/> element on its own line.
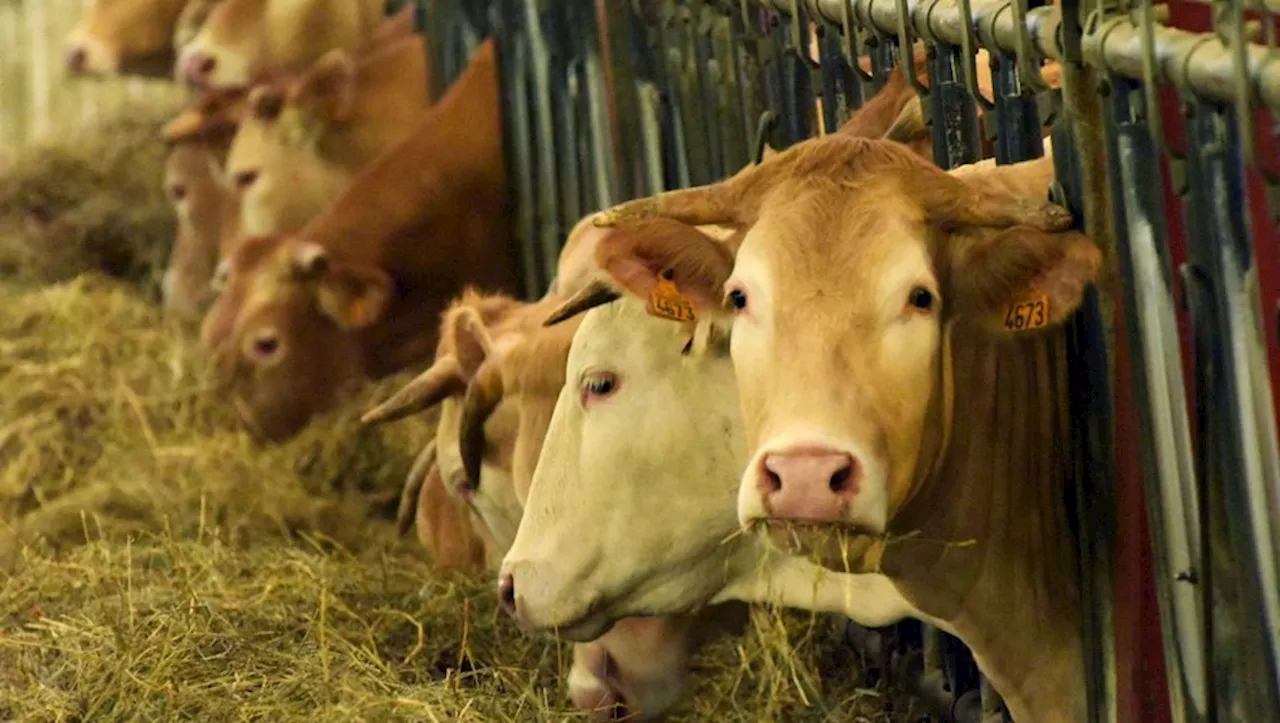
<point x="1165" y="145"/>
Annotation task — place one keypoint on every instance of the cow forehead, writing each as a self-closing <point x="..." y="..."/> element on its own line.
<point x="622" y="333"/>
<point x="837" y="247"/>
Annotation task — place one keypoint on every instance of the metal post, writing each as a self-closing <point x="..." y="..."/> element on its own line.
<point x="1241" y="479"/>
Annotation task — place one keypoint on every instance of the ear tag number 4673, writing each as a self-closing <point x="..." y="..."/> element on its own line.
<point x="666" y="302"/>
<point x="1030" y="314"/>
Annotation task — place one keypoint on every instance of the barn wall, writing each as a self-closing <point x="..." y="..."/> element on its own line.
<point x="36" y="96"/>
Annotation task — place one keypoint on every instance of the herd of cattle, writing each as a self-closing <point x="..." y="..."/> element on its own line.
<point x="835" y="380"/>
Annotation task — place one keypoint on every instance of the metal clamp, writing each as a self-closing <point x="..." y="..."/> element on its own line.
<point x="967" y="64"/>
<point x="906" y="42"/>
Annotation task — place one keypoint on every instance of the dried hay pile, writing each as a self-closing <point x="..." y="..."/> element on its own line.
<point x="90" y="199"/>
<point x="159" y="565"/>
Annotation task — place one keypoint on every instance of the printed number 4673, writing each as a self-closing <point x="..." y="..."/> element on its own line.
<point x="1030" y="315"/>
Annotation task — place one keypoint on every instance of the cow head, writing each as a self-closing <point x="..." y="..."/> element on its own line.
<point x="284" y="329"/>
<point x="496" y="378"/>
<point x="193" y="181"/>
<point x="113" y="36"/>
<point x="280" y="185"/>
<point x="860" y="263"/>
<point x="639" y="463"/>
<point x="229" y="46"/>
<point x="474" y="435"/>
<point x="348" y="107"/>
<point x="239" y="37"/>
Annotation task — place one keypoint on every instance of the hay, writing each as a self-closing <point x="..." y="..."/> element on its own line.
<point x="90" y="199"/>
<point x="163" y="566"/>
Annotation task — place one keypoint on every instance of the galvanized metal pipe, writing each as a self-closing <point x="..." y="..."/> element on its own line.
<point x="1198" y="62"/>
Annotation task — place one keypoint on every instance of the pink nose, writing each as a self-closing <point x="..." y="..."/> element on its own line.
<point x="76" y="58"/>
<point x="197" y="67"/>
<point x="808" y="484"/>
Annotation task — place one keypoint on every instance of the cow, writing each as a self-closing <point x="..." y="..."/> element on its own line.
<point x="872" y="297"/>
<point x="352" y="295"/>
<point x="494" y="373"/>
<point x="207" y="209"/>
<point x="306" y="136"/>
<point x="239" y="37"/>
<point x="130" y="37"/>
<point x="202" y="203"/>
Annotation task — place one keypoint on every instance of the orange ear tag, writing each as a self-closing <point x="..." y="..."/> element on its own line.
<point x="666" y="302"/>
<point x="1032" y="313"/>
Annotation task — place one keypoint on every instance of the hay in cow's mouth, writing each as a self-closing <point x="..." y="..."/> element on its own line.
<point x="161" y="564"/>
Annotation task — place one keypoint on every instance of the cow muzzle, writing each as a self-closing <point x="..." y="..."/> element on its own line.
<point x="524" y="597"/>
<point x="816" y="484"/>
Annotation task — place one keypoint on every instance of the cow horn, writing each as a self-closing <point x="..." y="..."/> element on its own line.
<point x="973" y="200"/>
<point x="483" y="395"/>
<point x="595" y="293"/>
<point x="413" y="487"/>
<point x="702" y="205"/>
<point x="442" y="380"/>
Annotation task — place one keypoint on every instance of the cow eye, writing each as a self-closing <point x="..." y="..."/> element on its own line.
<point x="244" y="179"/>
<point x="921" y="298"/>
<point x="178" y="191"/>
<point x="737" y="298"/>
<point x="597" y="385"/>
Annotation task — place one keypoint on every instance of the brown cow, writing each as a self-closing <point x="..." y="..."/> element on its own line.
<point x="202" y="203"/>
<point x="353" y="294"/>
<point x="306" y="137"/>
<point x="241" y="36"/>
<point x="131" y="37"/>
<point x="932" y="295"/>
<point x="207" y="209"/>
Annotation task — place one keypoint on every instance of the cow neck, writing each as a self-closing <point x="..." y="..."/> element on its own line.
<point x="403" y="339"/>
<point x="449" y="170"/>
<point x="988" y="547"/>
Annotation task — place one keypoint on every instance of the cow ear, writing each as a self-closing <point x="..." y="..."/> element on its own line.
<point x="1020" y="279"/>
<point x="329" y="88"/>
<point x="266" y="102"/>
<point x="354" y="296"/>
<point x="471" y="340"/>
<point x="659" y="259"/>
<point x="185" y="125"/>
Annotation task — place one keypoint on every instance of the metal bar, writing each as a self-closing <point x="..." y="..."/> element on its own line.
<point x="549" y="233"/>
<point x="1242" y="464"/>
<point x="1169" y="468"/>
<point x="517" y="139"/>
<point x="954" y="119"/>
<point x="1198" y="61"/>
<point x="1016" y="114"/>
<point x="841" y="91"/>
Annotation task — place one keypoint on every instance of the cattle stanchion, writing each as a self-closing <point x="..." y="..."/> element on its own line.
<point x="1135" y="142"/>
<point x="1239" y="468"/>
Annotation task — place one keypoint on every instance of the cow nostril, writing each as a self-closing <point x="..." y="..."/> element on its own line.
<point x="205" y="65"/>
<point x="76" y="58"/>
<point x="772" y="481"/>
<point x="842" y="480"/>
<point x="507" y="594"/>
